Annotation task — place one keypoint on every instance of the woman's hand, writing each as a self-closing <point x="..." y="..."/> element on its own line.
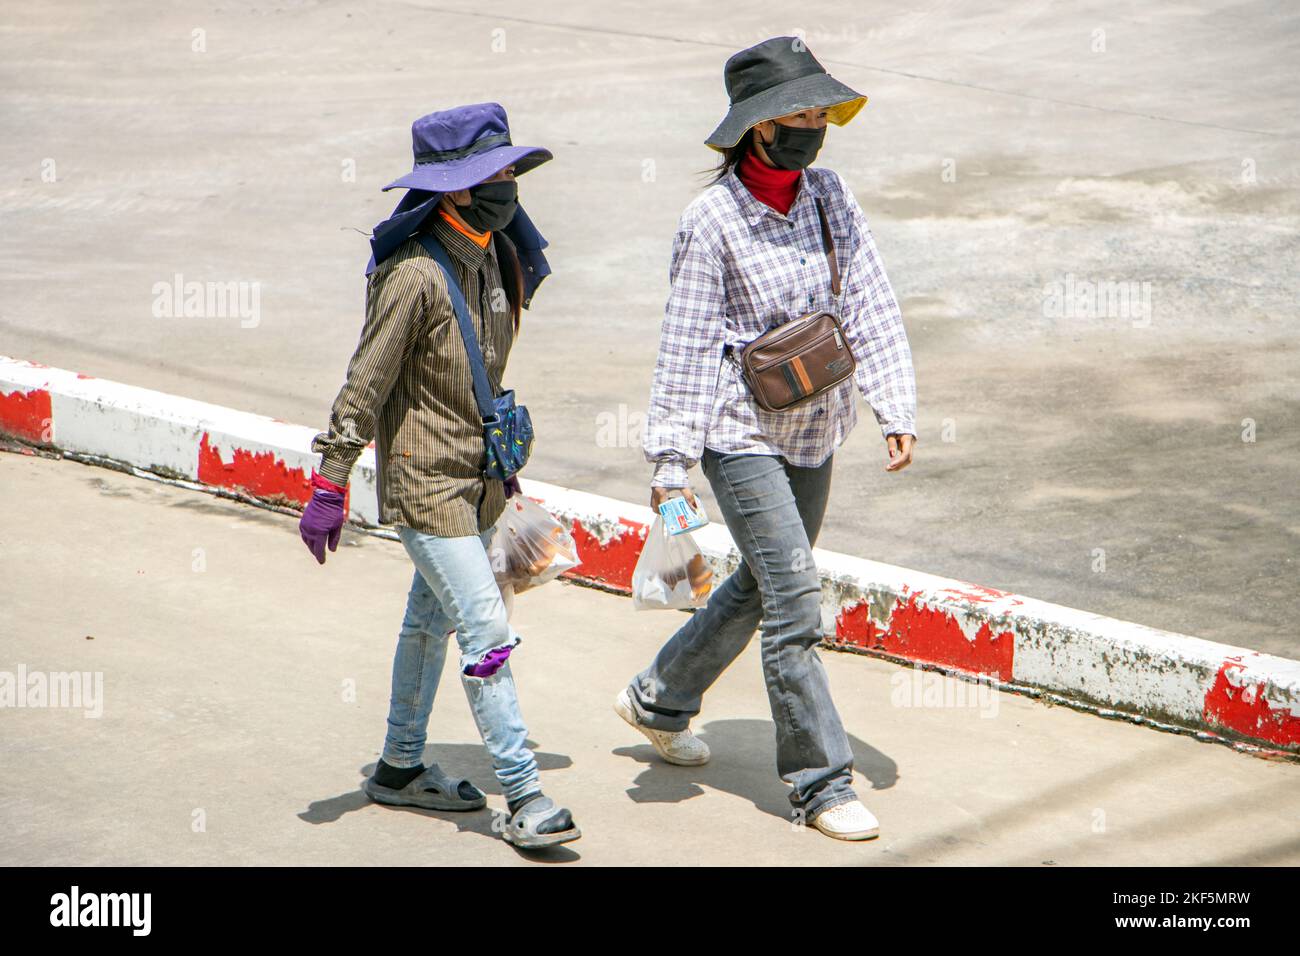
<point x="322" y="519"/>
<point x="900" y="451"/>
<point x="659" y="495"/>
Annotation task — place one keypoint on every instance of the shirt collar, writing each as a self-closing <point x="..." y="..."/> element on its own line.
<point x="460" y="246"/>
<point x="753" y="210"/>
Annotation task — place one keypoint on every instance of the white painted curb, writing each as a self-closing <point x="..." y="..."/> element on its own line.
<point x="1119" y="668"/>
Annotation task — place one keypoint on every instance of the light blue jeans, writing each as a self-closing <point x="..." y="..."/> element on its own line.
<point x="454" y="590"/>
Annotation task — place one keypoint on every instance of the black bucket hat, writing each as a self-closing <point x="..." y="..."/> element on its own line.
<point x="777" y="77"/>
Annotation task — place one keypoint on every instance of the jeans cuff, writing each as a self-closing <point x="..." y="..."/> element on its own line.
<point x="532" y="785"/>
<point x="813" y="809"/>
<point x="654" y="720"/>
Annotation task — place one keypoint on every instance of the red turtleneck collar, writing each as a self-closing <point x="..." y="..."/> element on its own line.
<point x="775" y="187"/>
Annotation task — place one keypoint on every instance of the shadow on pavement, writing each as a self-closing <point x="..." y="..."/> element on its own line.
<point x="744" y="764"/>
<point x="458" y="760"/>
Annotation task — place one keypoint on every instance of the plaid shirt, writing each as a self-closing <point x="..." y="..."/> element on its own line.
<point x="739" y="267"/>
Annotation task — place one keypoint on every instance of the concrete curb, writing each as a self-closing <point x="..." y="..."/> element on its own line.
<point x="1117" y="668"/>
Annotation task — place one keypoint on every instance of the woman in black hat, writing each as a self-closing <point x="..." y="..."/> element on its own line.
<point x="750" y="253"/>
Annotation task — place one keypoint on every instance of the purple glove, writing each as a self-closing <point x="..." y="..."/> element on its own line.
<point x="512" y="486"/>
<point x="322" y="519"/>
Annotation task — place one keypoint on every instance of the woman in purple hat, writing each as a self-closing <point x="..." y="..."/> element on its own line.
<point x="411" y="386"/>
<point x="763" y="246"/>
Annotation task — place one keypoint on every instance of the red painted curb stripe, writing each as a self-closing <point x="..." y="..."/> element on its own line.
<point x="1242" y="708"/>
<point x="260" y="474"/>
<point x="611" y="564"/>
<point x="929" y="635"/>
<point x="27" y="415"/>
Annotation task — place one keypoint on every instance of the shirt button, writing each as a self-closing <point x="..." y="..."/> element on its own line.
<point x="802" y="261"/>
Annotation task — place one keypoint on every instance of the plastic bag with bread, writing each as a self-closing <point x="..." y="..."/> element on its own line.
<point x="529" y="547"/>
<point x="671" y="573"/>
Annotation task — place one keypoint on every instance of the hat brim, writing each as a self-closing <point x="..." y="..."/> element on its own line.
<point x="815" y="91"/>
<point x="463" y="173"/>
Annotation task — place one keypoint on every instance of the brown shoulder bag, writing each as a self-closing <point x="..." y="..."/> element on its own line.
<point x="798" y="360"/>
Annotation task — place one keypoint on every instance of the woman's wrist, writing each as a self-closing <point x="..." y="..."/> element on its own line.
<point x="320" y="481"/>
<point x="669" y="473"/>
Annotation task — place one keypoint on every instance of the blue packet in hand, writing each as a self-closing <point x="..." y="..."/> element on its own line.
<point x="680" y="517"/>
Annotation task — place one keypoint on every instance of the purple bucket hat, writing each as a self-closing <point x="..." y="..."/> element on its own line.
<point x="460" y="147"/>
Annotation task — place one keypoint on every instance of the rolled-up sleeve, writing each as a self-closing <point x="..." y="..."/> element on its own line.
<point x="873" y="325"/>
<point x="690" y="356"/>
<point x="395" y="308"/>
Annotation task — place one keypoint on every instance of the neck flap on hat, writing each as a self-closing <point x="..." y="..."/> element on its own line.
<point x="418" y="204"/>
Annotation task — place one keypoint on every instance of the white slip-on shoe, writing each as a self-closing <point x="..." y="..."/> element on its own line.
<point x="848" y="821"/>
<point x="680" y="747"/>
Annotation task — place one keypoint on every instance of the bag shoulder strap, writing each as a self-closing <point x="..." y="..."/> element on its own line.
<point x="482" y="389"/>
<point x="828" y="243"/>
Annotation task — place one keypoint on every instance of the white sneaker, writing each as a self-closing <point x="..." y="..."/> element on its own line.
<point x="848" y="821"/>
<point x="680" y="747"/>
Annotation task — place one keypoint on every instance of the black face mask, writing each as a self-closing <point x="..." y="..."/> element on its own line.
<point x="491" y="205"/>
<point x="794" y="147"/>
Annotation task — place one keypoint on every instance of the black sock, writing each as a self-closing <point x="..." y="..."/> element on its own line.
<point x="395" y="778"/>
<point x="514" y="805"/>
<point x="557" y="822"/>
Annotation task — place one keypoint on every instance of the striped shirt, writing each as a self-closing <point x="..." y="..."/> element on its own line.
<point x="409" y="388"/>
<point x="739" y="267"/>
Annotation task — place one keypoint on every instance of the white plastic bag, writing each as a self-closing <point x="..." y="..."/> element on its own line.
<point x="529" y="547"/>
<point x="671" y="573"/>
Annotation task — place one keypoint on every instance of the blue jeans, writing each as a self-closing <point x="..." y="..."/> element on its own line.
<point x="454" y="590"/>
<point x="774" y="511"/>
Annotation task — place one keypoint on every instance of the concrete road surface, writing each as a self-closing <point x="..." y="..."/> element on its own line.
<point x="245" y="689"/>
<point x="1010" y="152"/>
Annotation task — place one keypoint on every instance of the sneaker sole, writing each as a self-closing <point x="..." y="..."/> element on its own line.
<point x="623" y="707"/>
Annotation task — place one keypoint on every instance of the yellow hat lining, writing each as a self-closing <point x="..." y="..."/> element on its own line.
<point x="839" y="114"/>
